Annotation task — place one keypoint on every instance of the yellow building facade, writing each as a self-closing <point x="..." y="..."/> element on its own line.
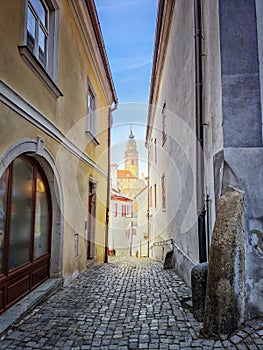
<point x="56" y="94"/>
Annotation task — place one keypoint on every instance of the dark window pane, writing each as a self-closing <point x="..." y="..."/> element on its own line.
<point x="40" y="10"/>
<point x="41" y="219"/>
<point x="30" y="42"/>
<point x="21" y="214"/>
<point x="42" y="47"/>
<point x="3" y="196"/>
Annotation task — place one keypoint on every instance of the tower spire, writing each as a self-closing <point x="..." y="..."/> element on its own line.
<point x="131" y="155"/>
<point x="131" y="136"/>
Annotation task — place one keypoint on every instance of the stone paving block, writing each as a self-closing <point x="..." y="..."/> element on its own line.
<point x="121" y="305"/>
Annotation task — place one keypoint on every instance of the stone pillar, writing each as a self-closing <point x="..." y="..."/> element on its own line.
<point x="225" y="293"/>
<point x="198" y="282"/>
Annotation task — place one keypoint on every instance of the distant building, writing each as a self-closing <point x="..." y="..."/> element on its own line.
<point x="131" y="161"/>
<point x="126" y="237"/>
<point x="126" y="180"/>
<point x="129" y="182"/>
<point x="120" y="234"/>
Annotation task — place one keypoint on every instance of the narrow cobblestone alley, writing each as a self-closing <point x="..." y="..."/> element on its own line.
<point x="131" y="304"/>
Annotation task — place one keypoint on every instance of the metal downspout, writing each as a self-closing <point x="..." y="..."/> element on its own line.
<point x="108" y="183"/>
<point x="199" y="131"/>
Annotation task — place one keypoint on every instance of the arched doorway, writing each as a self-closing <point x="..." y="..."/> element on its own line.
<point x="25" y="229"/>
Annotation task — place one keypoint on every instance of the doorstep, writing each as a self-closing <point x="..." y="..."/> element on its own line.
<point x="30" y="301"/>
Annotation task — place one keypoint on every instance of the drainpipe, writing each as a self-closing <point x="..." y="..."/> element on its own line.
<point x="199" y="130"/>
<point x="148" y="202"/>
<point x="111" y="109"/>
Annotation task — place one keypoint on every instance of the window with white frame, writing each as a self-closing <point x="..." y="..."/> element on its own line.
<point x="129" y="211"/>
<point x="124" y="211"/>
<point x="38" y="29"/>
<point x="91" y="121"/>
<point x="39" y="48"/>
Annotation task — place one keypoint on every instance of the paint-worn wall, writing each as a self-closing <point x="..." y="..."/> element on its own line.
<point x="242" y="116"/>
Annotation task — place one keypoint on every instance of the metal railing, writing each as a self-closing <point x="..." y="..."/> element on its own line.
<point x="163" y="243"/>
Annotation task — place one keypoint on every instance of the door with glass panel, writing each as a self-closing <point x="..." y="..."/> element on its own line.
<point x="25" y="224"/>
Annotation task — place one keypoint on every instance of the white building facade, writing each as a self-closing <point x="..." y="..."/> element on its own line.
<point x="204" y="131"/>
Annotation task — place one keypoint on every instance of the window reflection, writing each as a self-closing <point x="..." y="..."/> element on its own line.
<point x="37" y="29"/>
<point x="41" y="219"/>
<point x="31" y="30"/>
<point x="40" y="10"/>
<point x="21" y="214"/>
<point x="24" y="215"/>
<point x="3" y="193"/>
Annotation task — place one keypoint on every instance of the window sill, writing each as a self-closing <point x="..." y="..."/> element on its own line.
<point x="93" y="138"/>
<point x="40" y="72"/>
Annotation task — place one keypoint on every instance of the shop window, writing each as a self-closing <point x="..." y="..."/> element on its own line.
<point x="25" y="229"/>
<point x="25" y="207"/>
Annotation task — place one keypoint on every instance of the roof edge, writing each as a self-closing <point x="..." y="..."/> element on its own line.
<point x="100" y="41"/>
<point x="165" y="9"/>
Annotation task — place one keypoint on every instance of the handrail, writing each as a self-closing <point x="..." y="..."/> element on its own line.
<point x="162" y="243"/>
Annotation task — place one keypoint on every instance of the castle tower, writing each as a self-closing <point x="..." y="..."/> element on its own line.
<point x="131" y="156"/>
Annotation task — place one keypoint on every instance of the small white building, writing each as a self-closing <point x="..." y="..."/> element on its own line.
<point x="121" y="230"/>
<point x="140" y="206"/>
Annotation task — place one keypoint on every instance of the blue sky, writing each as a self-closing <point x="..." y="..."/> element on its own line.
<point x="128" y="28"/>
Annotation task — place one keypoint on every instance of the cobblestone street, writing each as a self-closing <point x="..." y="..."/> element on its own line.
<point x="122" y="305"/>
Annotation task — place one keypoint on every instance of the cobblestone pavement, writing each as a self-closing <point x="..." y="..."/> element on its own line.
<point x="122" y="305"/>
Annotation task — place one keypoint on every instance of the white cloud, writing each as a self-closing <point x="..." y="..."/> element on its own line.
<point x="126" y="66"/>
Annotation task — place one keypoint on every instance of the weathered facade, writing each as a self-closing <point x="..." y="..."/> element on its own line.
<point x="56" y="92"/>
<point x="204" y="132"/>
